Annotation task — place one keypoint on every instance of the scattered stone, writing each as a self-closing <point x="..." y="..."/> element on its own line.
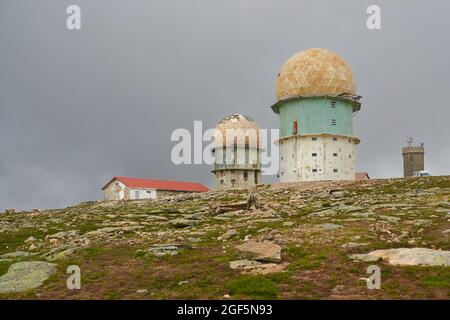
<point x="106" y="231"/>
<point x="261" y="251"/>
<point x="30" y="239"/>
<point x="339" y="194"/>
<point x="413" y="256"/>
<point x="240" y="264"/>
<point x="16" y="254"/>
<point x="10" y="211"/>
<point x="329" y="226"/>
<point x="390" y="218"/>
<point x="363" y="257"/>
<point x="142" y="291"/>
<point x="226" y="296"/>
<point x="252" y="201"/>
<point x="182" y="222"/>
<point x="351" y="245"/>
<point x="183" y="282"/>
<point x="159" y="250"/>
<point x="24" y="276"/>
<point x="288" y="224"/>
<point x="230" y="214"/>
<point x="228" y="235"/>
<point x="323" y="213"/>
<point x="446" y="231"/>
<point x="62" y="254"/>
<point x="64" y="234"/>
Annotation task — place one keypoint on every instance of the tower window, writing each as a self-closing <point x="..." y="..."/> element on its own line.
<point x="314" y="154"/>
<point x="256" y="177"/>
<point x="333" y="104"/>
<point x="221" y="181"/>
<point x="335" y="170"/>
<point x="333" y="122"/>
<point x="314" y="170"/>
<point x="245" y="174"/>
<point x="233" y="182"/>
<point x="314" y="139"/>
<point x="334" y="154"/>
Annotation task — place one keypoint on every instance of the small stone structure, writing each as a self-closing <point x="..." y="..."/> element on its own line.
<point x="413" y="160"/>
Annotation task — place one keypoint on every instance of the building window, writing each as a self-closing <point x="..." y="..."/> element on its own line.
<point x="314" y="154"/>
<point x="314" y="170"/>
<point x="256" y="177"/>
<point x="221" y="181"/>
<point x="136" y="194"/>
<point x="335" y="170"/>
<point x="333" y="104"/>
<point x="245" y="174"/>
<point x="333" y="122"/>
<point x="334" y="139"/>
<point x="314" y="139"/>
<point x="334" y="154"/>
<point x="281" y="158"/>
<point x="233" y="182"/>
<point x="349" y="141"/>
<point x="350" y="156"/>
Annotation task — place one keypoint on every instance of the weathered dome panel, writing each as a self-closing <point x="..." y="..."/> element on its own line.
<point x="244" y="127"/>
<point x="314" y="72"/>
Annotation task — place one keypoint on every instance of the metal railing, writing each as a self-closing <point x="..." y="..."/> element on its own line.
<point x="225" y="166"/>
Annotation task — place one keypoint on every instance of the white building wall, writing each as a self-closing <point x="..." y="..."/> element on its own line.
<point x="333" y="160"/>
<point x="135" y="194"/>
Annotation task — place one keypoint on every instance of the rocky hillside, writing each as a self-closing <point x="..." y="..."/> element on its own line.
<point x="299" y="241"/>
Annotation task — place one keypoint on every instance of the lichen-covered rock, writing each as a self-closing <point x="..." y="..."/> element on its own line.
<point x="329" y="226"/>
<point x="64" y="234"/>
<point x="228" y="235"/>
<point x="16" y="254"/>
<point x="363" y="257"/>
<point x="244" y="263"/>
<point x="159" y="250"/>
<point x="23" y="276"/>
<point x="413" y="256"/>
<point x="182" y="222"/>
<point x="261" y="251"/>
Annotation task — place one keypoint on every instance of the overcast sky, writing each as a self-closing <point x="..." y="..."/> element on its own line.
<point x="78" y="107"/>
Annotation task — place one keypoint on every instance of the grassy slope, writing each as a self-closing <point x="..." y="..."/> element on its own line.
<point x="318" y="265"/>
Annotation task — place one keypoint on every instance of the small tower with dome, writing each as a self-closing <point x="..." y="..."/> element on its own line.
<point x="237" y="153"/>
<point x="316" y="102"/>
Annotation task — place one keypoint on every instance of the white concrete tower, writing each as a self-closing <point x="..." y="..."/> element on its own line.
<point x="316" y="102"/>
<point x="237" y="153"/>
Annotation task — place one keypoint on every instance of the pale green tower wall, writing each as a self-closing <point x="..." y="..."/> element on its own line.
<point x="314" y="115"/>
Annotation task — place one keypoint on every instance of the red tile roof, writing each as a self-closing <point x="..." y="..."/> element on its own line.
<point x="361" y="176"/>
<point x="160" y="184"/>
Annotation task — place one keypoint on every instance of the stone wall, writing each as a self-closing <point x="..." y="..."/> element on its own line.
<point x="413" y="160"/>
